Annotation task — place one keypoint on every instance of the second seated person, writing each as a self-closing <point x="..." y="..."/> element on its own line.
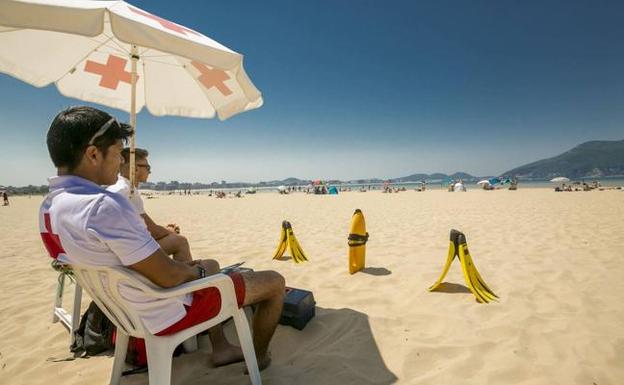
<point x="173" y="244"/>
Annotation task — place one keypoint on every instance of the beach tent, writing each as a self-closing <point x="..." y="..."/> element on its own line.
<point x="332" y="190"/>
<point x="117" y="55"/>
<point x="560" y="179"/>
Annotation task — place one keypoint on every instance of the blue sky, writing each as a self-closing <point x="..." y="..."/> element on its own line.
<point x="361" y="89"/>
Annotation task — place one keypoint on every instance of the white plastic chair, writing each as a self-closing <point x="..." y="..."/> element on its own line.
<point x="59" y="313"/>
<point x="102" y="285"/>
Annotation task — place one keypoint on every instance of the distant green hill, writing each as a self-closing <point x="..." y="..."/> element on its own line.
<point x="437" y="176"/>
<point x="590" y="159"/>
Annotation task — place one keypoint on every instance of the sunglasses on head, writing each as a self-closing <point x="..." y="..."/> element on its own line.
<point x="102" y="130"/>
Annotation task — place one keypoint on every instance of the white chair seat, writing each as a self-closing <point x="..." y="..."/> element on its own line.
<point x="160" y="348"/>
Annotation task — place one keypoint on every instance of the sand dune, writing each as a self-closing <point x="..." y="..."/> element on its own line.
<point x="554" y="259"/>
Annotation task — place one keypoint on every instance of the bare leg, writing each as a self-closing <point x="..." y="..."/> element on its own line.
<point x="177" y="246"/>
<point x="266" y="289"/>
<point x="223" y="353"/>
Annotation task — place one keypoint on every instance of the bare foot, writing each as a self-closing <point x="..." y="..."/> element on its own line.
<point x="263" y="363"/>
<point x="226" y="356"/>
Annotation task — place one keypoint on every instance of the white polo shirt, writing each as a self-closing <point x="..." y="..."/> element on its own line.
<point x="98" y="227"/>
<point x="123" y="187"/>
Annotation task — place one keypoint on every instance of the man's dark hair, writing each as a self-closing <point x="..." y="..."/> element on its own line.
<point x="139" y="154"/>
<point x="72" y="129"/>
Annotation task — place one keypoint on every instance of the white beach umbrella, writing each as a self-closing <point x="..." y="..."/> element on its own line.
<point x="560" y="179"/>
<point x="120" y="56"/>
<point x="484" y="181"/>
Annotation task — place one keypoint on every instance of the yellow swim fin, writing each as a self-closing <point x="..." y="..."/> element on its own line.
<point x="283" y="241"/>
<point x="475" y="282"/>
<point x="452" y="253"/>
<point x="458" y="247"/>
<point x="296" y="251"/>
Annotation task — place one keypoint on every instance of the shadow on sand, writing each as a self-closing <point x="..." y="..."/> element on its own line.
<point x="376" y="271"/>
<point x="336" y="347"/>
<point x="447" y="287"/>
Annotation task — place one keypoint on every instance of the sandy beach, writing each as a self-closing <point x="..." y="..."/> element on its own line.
<point x="553" y="258"/>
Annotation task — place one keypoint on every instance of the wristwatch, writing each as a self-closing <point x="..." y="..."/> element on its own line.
<point x="202" y="271"/>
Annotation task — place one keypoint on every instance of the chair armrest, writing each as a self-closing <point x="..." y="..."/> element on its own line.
<point x="221" y="281"/>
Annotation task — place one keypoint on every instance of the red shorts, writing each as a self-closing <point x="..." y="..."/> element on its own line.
<point x="206" y="304"/>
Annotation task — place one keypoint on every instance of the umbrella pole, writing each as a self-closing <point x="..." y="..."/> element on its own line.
<point x="135" y="57"/>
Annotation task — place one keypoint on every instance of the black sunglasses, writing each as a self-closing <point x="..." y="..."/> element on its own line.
<point x="147" y="166"/>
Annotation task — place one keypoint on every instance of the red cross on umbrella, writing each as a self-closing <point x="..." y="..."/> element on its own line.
<point x="112" y="72"/>
<point x="165" y="23"/>
<point x="212" y="77"/>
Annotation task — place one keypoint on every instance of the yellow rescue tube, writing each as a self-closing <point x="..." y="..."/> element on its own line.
<point x="357" y="242"/>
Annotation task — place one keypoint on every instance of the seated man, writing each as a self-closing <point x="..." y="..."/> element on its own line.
<point x="83" y="223"/>
<point x="170" y="241"/>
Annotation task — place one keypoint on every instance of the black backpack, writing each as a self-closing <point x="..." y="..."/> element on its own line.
<point x="95" y="333"/>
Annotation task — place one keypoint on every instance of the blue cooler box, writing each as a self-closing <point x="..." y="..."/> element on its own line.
<point x="299" y="308"/>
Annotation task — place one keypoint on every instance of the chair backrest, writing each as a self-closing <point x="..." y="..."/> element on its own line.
<point x="102" y="284"/>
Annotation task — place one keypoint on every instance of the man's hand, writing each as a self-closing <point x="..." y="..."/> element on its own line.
<point x="165" y="272"/>
<point x="173" y="228"/>
<point x="210" y="265"/>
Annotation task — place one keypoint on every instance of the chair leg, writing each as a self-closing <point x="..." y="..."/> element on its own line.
<point x="119" y="362"/>
<point x="76" y="311"/>
<point x="159" y="357"/>
<point x="246" y="342"/>
<point x="58" y="297"/>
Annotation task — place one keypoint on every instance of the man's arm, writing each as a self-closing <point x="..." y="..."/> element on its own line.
<point x="164" y="271"/>
<point x="157" y="231"/>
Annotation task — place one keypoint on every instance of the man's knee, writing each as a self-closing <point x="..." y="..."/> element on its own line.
<point x="275" y="282"/>
<point x="181" y="241"/>
<point x="263" y="285"/>
<point x="211" y="266"/>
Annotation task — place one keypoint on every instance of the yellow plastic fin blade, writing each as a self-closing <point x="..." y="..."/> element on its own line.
<point x="302" y="256"/>
<point x="482" y="282"/>
<point x="292" y="244"/>
<point x="479" y="287"/>
<point x="476" y="277"/>
<point x="281" y="247"/>
<point x="466" y="266"/>
<point x="447" y="265"/>
<point x="296" y="249"/>
<point x="470" y="273"/>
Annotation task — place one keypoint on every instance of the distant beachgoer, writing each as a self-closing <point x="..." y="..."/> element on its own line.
<point x="172" y="243"/>
<point x="5" y="197"/>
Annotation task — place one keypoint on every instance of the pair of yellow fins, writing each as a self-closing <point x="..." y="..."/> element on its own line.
<point x="288" y="240"/>
<point x="458" y="247"/>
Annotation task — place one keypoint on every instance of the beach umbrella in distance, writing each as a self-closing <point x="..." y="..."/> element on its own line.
<point x="560" y="179"/>
<point x="117" y="55"/>
<point x="494" y="181"/>
<point x="484" y="181"/>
